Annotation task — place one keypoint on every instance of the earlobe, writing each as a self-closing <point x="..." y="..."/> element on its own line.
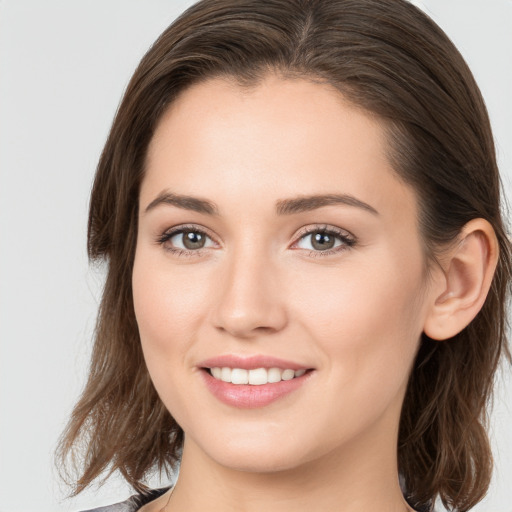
<point x="467" y="272"/>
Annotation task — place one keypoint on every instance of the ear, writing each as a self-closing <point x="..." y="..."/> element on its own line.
<point x="464" y="279"/>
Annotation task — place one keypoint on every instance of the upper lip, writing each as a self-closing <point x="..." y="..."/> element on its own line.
<point x="250" y="362"/>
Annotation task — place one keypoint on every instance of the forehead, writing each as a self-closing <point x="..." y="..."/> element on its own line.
<point x="282" y="137"/>
<point x="220" y="110"/>
<point x="305" y="107"/>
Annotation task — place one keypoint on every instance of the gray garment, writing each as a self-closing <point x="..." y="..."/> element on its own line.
<point x="133" y="503"/>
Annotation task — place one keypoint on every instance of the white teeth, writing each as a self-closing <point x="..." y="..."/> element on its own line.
<point x="225" y="374"/>
<point x="258" y="377"/>
<point x="274" y="375"/>
<point x="288" y="375"/>
<point x="255" y="377"/>
<point x="239" y="376"/>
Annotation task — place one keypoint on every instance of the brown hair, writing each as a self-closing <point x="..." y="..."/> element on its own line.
<point x="390" y="59"/>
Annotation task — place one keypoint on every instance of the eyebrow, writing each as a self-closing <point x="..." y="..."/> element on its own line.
<point x="283" y="206"/>
<point x="186" y="202"/>
<point x="307" y="203"/>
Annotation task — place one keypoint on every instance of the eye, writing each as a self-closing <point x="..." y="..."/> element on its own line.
<point x="185" y="240"/>
<point x="325" y="240"/>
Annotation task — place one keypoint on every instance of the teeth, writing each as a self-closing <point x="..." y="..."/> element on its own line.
<point x="225" y="374"/>
<point x="239" y="376"/>
<point x="288" y="375"/>
<point x="255" y="377"/>
<point x="274" y="375"/>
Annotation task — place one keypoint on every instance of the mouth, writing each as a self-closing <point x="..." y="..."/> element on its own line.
<point x="254" y="377"/>
<point x="252" y="382"/>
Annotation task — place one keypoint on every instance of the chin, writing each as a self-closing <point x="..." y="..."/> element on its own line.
<point x="257" y="453"/>
<point x="260" y="462"/>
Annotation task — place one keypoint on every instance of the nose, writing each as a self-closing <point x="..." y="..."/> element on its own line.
<point x="250" y="300"/>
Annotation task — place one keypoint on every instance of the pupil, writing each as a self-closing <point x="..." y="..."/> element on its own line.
<point x="193" y="240"/>
<point x="323" y="241"/>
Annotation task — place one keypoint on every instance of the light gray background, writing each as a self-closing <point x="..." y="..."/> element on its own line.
<point x="63" y="67"/>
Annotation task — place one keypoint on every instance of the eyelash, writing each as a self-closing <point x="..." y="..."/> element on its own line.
<point x="167" y="235"/>
<point x="347" y="239"/>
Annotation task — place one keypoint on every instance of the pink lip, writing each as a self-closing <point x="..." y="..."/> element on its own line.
<point x="250" y="363"/>
<point x="247" y="396"/>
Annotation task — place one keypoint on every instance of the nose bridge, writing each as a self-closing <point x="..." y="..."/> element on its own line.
<point x="249" y="300"/>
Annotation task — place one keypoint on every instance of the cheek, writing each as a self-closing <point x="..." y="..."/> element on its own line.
<point x="366" y="318"/>
<point x="167" y="310"/>
<point x="167" y="306"/>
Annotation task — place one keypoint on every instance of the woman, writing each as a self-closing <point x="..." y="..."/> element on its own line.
<point x="299" y="205"/>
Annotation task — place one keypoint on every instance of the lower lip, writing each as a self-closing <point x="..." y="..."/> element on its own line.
<point x="247" y="396"/>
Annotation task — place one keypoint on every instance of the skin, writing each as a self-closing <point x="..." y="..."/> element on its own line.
<point x="259" y="287"/>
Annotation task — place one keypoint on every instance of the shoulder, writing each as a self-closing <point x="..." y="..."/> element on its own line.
<point x="133" y="503"/>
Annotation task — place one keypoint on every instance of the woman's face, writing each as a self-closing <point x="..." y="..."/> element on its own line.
<point x="273" y="234"/>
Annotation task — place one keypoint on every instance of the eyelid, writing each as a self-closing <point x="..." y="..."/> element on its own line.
<point x="164" y="237"/>
<point x="187" y="227"/>
<point x="327" y="228"/>
<point x="347" y="238"/>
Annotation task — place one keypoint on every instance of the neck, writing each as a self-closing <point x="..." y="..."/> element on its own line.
<point x="358" y="478"/>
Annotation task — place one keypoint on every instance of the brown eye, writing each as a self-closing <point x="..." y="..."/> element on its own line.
<point x="326" y="240"/>
<point x="185" y="240"/>
<point x="193" y="239"/>
<point x="322" y="241"/>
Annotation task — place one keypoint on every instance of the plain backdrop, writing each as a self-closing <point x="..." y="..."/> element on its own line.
<point x="63" y="67"/>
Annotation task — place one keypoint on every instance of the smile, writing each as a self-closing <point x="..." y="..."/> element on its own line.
<point x="255" y="377"/>
<point x="254" y="381"/>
